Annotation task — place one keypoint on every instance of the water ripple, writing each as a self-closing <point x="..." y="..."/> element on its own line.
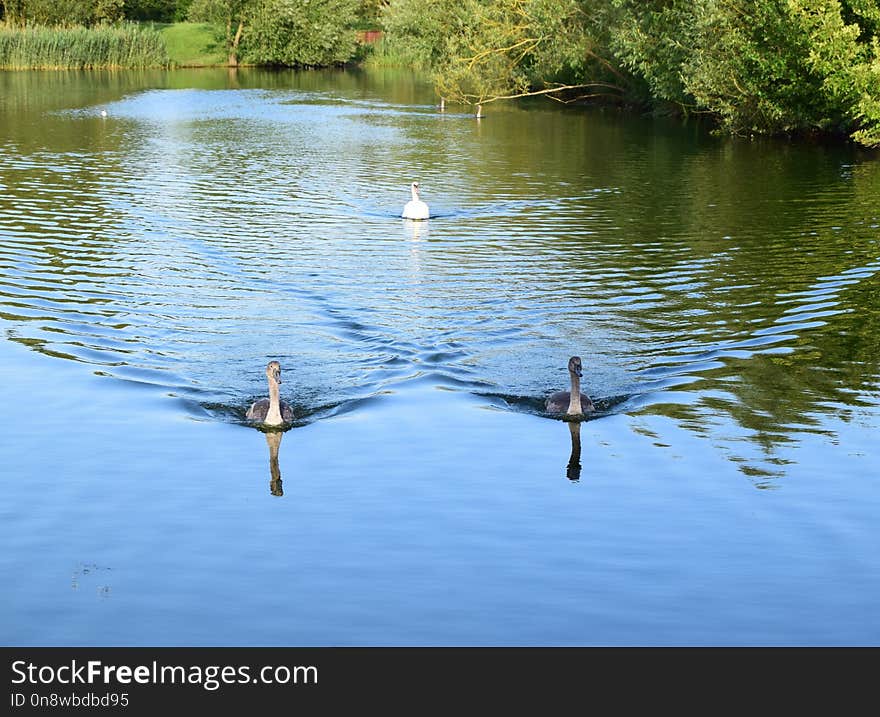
<point x="196" y="234"/>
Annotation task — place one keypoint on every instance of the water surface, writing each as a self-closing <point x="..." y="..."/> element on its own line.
<point x="723" y="294"/>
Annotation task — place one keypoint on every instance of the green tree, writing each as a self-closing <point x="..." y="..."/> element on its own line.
<point x="652" y="39"/>
<point x="486" y="50"/>
<point x="108" y="11"/>
<point x="302" y="32"/>
<point x="62" y="13"/>
<point x="847" y="66"/>
<point x="756" y="66"/>
<point x="369" y="11"/>
<point x="231" y="16"/>
<point x="791" y="66"/>
<point x="418" y="30"/>
<point x="13" y="12"/>
<point x="58" y="12"/>
<point x="156" y="10"/>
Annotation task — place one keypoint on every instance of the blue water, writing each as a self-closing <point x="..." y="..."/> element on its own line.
<point x="722" y="294"/>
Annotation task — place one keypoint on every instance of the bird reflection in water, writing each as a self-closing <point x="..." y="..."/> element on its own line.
<point x="573" y="470"/>
<point x="273" y="439"/>
<point x="416" y="232"/>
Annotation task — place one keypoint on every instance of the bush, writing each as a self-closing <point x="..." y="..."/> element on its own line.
<point x="756" y="66"/>
<point x="312" y="33"/>
<point x="787" y="67"/>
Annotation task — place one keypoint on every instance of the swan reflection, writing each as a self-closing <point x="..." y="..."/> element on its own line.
<point x="573" y="469"/>
<point x="416" y="232"/>
<point x="273" y="440"/>
<point x="414" y="229"/>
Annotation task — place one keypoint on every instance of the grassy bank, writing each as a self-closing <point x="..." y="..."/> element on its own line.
<point x="132" y="45"/>
<point x="104" y="47"/>
<point x="192" y="44"/>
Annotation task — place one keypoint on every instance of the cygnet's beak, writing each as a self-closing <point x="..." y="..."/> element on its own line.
<point x="579" y="371"/>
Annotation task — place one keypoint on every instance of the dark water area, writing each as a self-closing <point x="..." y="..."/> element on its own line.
<point x="723" y="294"/>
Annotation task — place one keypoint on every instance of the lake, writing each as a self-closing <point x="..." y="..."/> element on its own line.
<point x="722" y="293"/>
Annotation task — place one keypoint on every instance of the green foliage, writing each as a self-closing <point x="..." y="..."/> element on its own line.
<point x="64" y="13"/>
<point x="312" y="33"/>
<point x="848" y="69"/>
<point x="108" y="11"/>
<point x="121" y="46"/>
<point x="748" y="68"/>
<point x="864" y="12"/>
<point x="87" y="12"/>
<point x="283" y="32"/>
<point x="652" y="39"/>
<point x="417" y="31"/>
<point x="790" y="66"/>
<point x="229" y="17"/>
<point x="757" y="66"/>
<point x="193" y="44"/>
<point x="157" y="10"/>
<point x="368" y="13"/>
<point x="483" y="57"/>
<point x="481" y="50"/>
<point x="385" y="54"/>
<point x="12" y="12"/>
<point x="278" y="32"/>
<point x="570" y="44"/>
<point x="220" y="12"/>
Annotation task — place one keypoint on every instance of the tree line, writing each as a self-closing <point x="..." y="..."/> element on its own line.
<point x="266" y="32"/>
<point x="753" y="66"/>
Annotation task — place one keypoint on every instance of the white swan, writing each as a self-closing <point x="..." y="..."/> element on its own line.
<point x="573" y="402"/>
<point x="415" y="208"/>
<point x="271" y="411"/>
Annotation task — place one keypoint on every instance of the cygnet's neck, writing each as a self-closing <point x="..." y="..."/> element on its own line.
<point x="574" y="404"/>
<point x="273" y="415"/>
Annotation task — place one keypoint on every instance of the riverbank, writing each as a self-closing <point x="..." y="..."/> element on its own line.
<point x="129" y="46"/>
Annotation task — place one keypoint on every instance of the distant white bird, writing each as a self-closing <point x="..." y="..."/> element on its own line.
<point x="415" y="208"/>
<point x="103" y="113"/>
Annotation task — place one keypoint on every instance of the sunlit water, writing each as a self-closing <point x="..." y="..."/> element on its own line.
<point x="723" y="294"/>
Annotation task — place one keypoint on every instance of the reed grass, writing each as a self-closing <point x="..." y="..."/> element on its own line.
<point x="385" y="54"/>
<point x="87" y="48"/>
